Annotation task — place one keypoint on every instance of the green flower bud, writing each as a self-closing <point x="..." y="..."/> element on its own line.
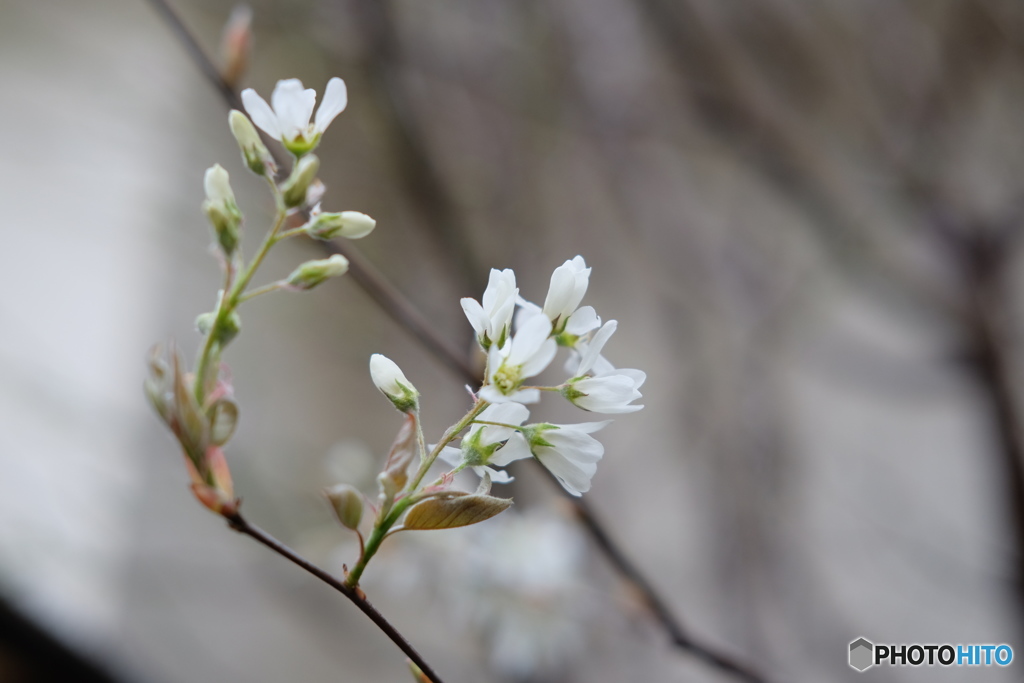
<point x="312" y="273"/>
<point x="221" y="209"/>
<point x="256" y="155"/>
<point x="302" y="176"/>
<point x="349" y="224"/>
<point x="227" y="331"/>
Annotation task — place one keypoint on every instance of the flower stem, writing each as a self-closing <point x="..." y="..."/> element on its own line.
<point x="232" y="296"/>
<point x="265" y="289"/>
<point x="381" y="528"/>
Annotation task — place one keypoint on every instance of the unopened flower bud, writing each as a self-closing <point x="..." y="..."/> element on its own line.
<point x="347" y="503"/>
<point x="256" y="155"/>
<point x="303" y="174"/>
<point x="390" y="379"/>
<point x="236" y="44"/>
<point x="221" y="209"/>
<point x="312" y="273"/>
<point x="350" y="224"/>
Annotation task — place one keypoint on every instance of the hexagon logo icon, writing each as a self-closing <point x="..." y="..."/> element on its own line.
<point x="862" y="654"/>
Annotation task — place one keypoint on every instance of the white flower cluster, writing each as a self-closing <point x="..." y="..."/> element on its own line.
<point x="499" y="435"/>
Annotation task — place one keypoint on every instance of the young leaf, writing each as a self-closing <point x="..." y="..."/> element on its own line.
<point x="438" y="513"/>
<point x="223" y="419"/>
<point x="403" y="450"/>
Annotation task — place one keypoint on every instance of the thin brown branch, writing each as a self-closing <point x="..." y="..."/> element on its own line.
<point x="355" y="595"/>
<point x="405" y="314"/>
<point x="656" y="604"/>
<point x="417" y="171"/>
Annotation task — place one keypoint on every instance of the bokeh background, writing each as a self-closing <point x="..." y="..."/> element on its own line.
<point x="804" y="215"/>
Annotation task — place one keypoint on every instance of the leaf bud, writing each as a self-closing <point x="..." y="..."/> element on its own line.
<point x="236" y="45"/>
<point x="347" y="503"/>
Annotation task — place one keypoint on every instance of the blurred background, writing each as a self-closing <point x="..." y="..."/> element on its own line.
<point x="804" y="215"/>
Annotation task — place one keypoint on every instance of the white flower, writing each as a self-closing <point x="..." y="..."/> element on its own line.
<point x="568" y="285"/>
<point x="611" y="392"/>
<point x="288" y="121"/>
<point x="493" y="319"/>
<point x="526" y="354"/>
<point x="608" y="390"/>
<point x="391" y="381"/>
<point x="567" y="451"/>
<point x="483" y="444"/>
<point x="590" y="357"/>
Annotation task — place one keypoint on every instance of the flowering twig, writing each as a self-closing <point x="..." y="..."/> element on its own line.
<point x="395" y="304"/>
<point x="365" y="274"/>
<point x="237" y="522"/>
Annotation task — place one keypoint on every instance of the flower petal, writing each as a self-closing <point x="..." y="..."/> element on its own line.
<point x="261" y="113"/>
<point x="497" y="476"/>
<point x="293" y="106"/>
<point x="475" y="314"/>
<point x="560" y="291"/>
<point x="537" y="363"/>
<point x="452" y="456"/>
<point x="514" y="449"/>
<point x="590" y="355"/>
<point x="333" y="103"/>
<point x="574" y="477"/>
<point x="582" y="321"/>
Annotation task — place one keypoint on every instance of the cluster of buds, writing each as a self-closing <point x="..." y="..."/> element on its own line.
<point x="196" y="406"/>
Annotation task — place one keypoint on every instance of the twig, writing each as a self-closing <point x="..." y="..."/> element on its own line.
<point x="386" y="295"/>
<point x="406" y="315"/>
<point x="358" y="598"/>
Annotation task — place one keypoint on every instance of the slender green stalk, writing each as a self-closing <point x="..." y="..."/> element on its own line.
<point x="383" y="526"/>
<point x="498" y="424"/>
<point x="448" y="437"/>
<point x="232" y="296"/>
<point x="265" y="289"/>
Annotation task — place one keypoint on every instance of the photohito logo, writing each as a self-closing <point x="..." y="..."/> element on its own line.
<point x="864" y="654"/>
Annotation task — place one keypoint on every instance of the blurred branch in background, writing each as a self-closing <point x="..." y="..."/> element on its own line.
<point x="425" y="185"/>
<point x="728" y="85"/>
<point x="29" y="654"/>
